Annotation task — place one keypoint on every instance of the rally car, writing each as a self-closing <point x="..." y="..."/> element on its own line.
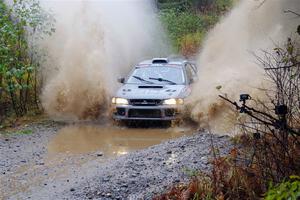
<point x="154" y="90"/>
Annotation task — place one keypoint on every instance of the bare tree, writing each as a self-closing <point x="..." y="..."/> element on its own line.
<point x="273" y="126"/>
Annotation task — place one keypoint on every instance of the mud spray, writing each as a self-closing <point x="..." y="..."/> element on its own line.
<point x="98" y="41"/>
<point x="227" y="59"/>
<point x="95" y="43"/>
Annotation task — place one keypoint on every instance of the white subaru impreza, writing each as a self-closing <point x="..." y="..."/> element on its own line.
<point x="154" y="90"/>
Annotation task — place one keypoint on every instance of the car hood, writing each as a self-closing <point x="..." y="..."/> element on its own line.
<point x="134" y="91"/>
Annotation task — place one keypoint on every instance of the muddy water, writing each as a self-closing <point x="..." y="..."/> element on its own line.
<point x="111" y="141"/>
<point x="70" y="155"/>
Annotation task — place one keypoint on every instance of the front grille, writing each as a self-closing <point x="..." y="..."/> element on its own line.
<point x="145" y="102"/>
<point x="144" y="113"/>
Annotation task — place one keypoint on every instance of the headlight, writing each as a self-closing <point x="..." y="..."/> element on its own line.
<point x="120" y="101"/>
<point x="173" y="102"/>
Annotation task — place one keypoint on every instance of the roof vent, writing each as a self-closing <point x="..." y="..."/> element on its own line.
<point x="160" y="61"/>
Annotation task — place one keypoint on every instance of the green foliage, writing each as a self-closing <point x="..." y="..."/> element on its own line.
<point x="287" y="190"/>
<point x="18" y="58"/>
<point x="187" y="22"/>
<point x="24" y="132"/>
<point x="15" y="132"/>
<point x="216" y="6"/>
<point x="223" y="5"/>
<point x="181" y="25"/>
<point x="189" y="43"/>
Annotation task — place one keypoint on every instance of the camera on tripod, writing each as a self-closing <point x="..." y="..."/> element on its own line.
<point x="245" y="97"/>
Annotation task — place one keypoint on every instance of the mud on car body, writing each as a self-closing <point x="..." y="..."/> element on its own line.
<point x="155" y="90"/>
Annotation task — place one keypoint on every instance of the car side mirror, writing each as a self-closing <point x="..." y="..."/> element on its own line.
<point x="121" y="80"/>
<point x="193" y="80"/>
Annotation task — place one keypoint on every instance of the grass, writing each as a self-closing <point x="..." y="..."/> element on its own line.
<point x="24" y="132"/>
<point x="17" y="132"/>
<point x="11" y="124"/>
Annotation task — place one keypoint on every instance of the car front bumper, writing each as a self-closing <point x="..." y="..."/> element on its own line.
<point x="160" y="112"/>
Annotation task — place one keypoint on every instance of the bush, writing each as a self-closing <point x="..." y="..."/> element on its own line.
<point x="289" y="189"/>
<point x="187" y="22"/>
<point x="179" y="24"/>
<point x="189" y="44"/>
<point x="215" y="6"/>
<point x="18" y="56"/>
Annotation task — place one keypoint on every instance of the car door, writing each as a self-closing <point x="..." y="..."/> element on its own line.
<point x="190" y="73"/>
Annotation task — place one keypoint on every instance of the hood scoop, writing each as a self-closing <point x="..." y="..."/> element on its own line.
<point x="150" y="86"/>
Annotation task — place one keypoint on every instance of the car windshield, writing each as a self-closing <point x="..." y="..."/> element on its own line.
<point x="157" y="75"/>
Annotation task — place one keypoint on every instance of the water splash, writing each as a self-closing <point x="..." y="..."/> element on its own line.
<point x="227" y="62"/>
<point x="96" y="42"/>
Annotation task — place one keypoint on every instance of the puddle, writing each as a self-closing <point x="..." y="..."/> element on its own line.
<point x="111" y="141"/>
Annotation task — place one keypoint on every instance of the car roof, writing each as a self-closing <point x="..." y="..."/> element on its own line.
<point x="178" y="62"/>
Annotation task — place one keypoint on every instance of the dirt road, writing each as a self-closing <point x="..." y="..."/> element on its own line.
<point x="88" y="161"/>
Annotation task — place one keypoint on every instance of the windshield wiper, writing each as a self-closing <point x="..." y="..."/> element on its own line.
<point x="161" y="79"/>
<point x="141" y="79"/>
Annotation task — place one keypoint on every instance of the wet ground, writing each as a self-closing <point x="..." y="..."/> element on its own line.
<point x="46" y="160"/>
<point x="110" y="140"/>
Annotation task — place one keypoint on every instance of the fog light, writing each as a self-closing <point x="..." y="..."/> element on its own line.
<point x="121" y="111"/>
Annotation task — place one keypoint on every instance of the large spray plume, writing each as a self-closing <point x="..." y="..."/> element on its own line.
<point x="95" y="43"/>
<point x="226" y="63"/>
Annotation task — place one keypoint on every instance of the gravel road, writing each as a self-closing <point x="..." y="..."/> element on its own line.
<point x="27" y="172"/>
